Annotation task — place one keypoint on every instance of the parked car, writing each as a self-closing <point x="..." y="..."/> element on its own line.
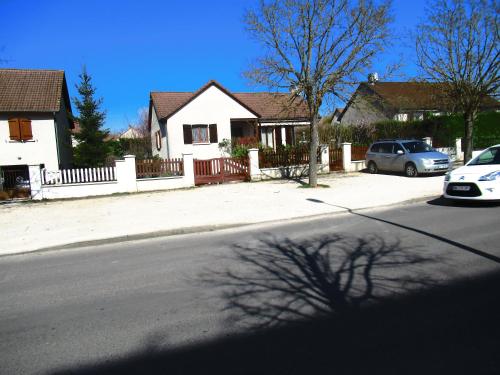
<point x="413" y="157"/>
<point x="479" y="179"/>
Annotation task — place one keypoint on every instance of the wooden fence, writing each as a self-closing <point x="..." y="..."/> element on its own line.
<point x="220" y="170"/>
<point x="285" y="158"/>
<point x="78" y="175"/>
<point x="358" y="152"/>
<point x="151" y="168"/>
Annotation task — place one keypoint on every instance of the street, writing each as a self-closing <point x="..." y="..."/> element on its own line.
<point x="407" y="289"/>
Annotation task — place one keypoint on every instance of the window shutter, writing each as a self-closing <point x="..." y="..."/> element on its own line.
<point x="277" y="129"/>
<point x="158" y="140"/>
<point x="213" y="133"/>
<point x="26" y="133"/>
<point x="14" y="130"/>
<point x="289" y="135"/>
<point x="188" y="136"/>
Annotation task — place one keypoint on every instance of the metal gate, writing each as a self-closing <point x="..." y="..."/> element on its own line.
<point x="220" y="170"/>
<point x="14" y="182"/>
<point x="336" y="159"/>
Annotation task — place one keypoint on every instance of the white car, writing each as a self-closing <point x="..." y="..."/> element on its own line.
<point x="479" y="179"/>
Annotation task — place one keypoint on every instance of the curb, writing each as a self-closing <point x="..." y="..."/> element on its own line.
<point x="208" y="228"/>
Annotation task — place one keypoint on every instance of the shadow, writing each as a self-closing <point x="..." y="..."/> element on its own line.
<point x="401" y="174"/>
<point x="279" y="281"/>
<point x="442" y="330"/>
<point x="444" y="202"/>
<point x="425" y="233"/>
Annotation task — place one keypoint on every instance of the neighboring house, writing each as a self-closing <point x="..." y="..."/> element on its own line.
<point x="130" y="133"/>
<point x="336" y="115"/>
<point x="187" y="122"/>
<point x="35" y="120"/>
<point x="402" y="101"/>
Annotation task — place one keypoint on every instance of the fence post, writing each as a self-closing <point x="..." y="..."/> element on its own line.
<point x="458" y="148"/>
<point x="126" y="174"/>
<point x="188" y="168"/>
<point x="253" y="156"/>
<point x="35" y="182"/>
<point x="346" y="156"/>
<point x="428" y="140"/>
<point x="325" y="158"/>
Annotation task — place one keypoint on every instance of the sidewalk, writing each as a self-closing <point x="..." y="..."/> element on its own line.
<point x="32" y="226"/>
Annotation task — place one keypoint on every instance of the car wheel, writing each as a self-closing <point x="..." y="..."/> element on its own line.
<point x="372" y="167"/>
<point x="411" y="170"/>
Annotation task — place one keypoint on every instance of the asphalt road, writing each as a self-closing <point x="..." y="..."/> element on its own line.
<point x="411" y="289"/>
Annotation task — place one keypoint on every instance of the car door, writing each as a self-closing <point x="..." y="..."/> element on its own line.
<point x="385" y="156"/>
<point x="397" y="161"/>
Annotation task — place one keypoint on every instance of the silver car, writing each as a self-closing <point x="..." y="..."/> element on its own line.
<point x="413" y="157"/>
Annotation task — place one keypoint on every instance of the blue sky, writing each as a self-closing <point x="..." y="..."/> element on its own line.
<point x="133" y="47"/>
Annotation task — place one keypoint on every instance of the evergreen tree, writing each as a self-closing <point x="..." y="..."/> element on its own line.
<point x="92" y="149"/>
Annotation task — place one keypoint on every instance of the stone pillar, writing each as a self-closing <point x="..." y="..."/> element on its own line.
<point x="458" y="148"/>
<point x="188" y="169"/>
<point x="35" y="182"/>
<point x="325" y="159"/>
<point x="253" y="157"/>
<point x="346" y="156"/>
<point x="428" y="140"/>
<point x="126" y="174"/>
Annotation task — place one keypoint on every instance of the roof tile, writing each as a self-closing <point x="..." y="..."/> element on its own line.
<point x="27" y="90"/>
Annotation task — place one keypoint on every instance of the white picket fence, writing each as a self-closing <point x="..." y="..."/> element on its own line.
<point x="78" y="176"/>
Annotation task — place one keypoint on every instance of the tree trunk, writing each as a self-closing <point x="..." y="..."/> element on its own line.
<point x="313" y="153"/>
<point x="469" y="118"/>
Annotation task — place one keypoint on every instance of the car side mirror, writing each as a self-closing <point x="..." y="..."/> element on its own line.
<point x="400" y="152"/>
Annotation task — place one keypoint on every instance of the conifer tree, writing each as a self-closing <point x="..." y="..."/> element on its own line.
<point x="92" y="149"/>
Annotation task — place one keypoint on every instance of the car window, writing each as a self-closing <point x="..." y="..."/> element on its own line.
<point x="386" y="148"/>
<point x="397" y="147"/>
<point x="415" y="147"/>
<point x="375" y="147"/>
<point x="490" y="156"/>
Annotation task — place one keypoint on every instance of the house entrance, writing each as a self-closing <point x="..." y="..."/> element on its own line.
<point x="14" y="182"/>
<point x="220" y="170"/>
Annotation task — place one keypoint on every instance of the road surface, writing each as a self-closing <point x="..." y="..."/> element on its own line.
<point x="410" y="289"/>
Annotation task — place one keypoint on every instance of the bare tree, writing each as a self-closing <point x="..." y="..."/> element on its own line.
<point x="458" y="44"/>
<point x="316" y="49"/>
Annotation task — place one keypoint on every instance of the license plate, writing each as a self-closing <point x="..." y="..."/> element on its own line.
<point x="461" y="188"/>
<point x="444" y="166"/>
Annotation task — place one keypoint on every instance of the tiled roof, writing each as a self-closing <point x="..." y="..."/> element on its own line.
<point x="275" y="106"/>
<point x="27" y="90"/>
<point x="417" y="95"/>
<point x="263" y="104"/>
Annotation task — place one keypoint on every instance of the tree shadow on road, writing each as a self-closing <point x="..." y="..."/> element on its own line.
<point x="280" y="280"/>
<point x="337" y="305"/>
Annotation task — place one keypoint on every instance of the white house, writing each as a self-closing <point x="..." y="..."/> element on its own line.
<point x="195" y="122"/>
<point x="34" y="119"/>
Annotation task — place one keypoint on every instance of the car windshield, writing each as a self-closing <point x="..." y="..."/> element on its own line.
<point x="489" y="156"/>
<point x="416" y="147"/>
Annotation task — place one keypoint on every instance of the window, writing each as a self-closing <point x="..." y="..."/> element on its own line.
<point x="401" y="117"/>
<point x="20" y="129"/>
<point x="418" y="116"/>
<point x="158" y="140"/>
<point x="266" y="135"/>
<point x="200" y="133"/>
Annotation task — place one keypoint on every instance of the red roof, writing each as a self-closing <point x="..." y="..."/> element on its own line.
<point x="265" y="105"/>
<point x="29" y="90"/>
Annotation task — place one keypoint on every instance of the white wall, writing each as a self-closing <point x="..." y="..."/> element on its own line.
<point x="211" y="107"/>
<point x="42" y="149"/>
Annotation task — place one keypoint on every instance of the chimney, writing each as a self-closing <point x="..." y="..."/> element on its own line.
<point x="372" y="78"/>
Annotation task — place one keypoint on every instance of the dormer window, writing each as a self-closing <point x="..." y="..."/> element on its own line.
<point x="20" y="129"/>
